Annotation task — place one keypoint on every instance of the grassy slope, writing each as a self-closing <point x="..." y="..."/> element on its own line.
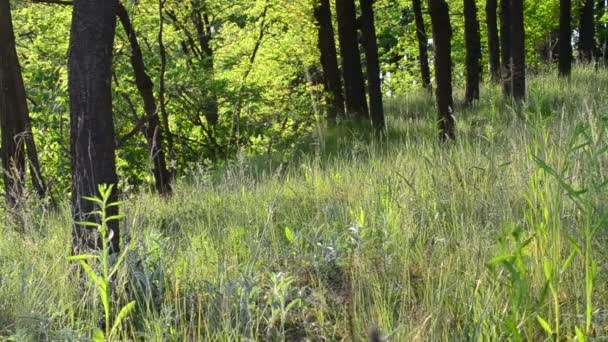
<point x="396" y="234"/>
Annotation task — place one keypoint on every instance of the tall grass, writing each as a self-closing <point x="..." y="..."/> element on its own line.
<point x="499" y="236"/>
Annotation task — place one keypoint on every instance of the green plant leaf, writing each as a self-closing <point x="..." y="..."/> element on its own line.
<point x="98" y="335"/>
<point x="579" y="335"/>
<point x="82" y="257"/>
<point x="93" y="199"/>
<point x="121" y="315"/>
<point x="115" y="217"/>
<point x="289" y="235"/>
<point x="88" y="224"/>
<point x="118" y="262"/>
<point x="89" y="271"/>
<point x="545" y="325"/>
<point x="548" y="270"/>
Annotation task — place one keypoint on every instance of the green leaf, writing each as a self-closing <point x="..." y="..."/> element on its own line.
<point x="500" y="258"/>
<point x="118" y="262"/>
<point x="548" y="270"/>
<point x="89" y="271"/>
<point x="545" y="325"/>
<point x="115" y="217"/>
<point x="88" y="224"/>
<point x="82" y="257"/>
<point x="579" y="335"/>
<point x="93" y="199"/>
<point x="121" y="315"/>
<point x="98" y="335"/>
<point x="289" y="235"/>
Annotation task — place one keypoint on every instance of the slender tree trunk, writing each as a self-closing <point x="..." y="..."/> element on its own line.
<point x="505" y="44"/>
<point x="153" y="131"/>
<point x="602" y="35"/>
<point x="473" y="51"/>
<point x="329" y="61"/>
<point x="423" y="45"/>
<point x="442" y="33"/>
<point x="374" y="85"/>
<point x="91" y="123"/>
<point x="161" y="84"/>
<point x="586" y="42"/>
<point x="493" y="40"/>
<point x="17" y="138"/>
<point x="565" y="36"/>
<point x="356" y="102"/>
<point x="203" y="31"/>
<point x="518" y="52"/>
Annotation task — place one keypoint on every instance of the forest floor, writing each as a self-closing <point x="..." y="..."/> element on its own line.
<point x="501" y="235"/>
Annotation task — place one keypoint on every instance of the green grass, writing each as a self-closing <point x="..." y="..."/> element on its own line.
<point x="490" y="238"/>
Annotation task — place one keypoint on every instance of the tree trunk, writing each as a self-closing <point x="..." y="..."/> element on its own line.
<point x="374" y="85"/>
<point x="586" y="42"/>
<point x="329" y="61"/>
<point x="153" y="132"/>
<point x="518" y="50"/>
<point x="203" y="31"/>
<point x="442" y="33"/>
<point x="356" y="102"/>
<point x="473" y="51"/>
<point x="17" y="137"/>
<point x="423" y="45"/>
<point x="493" y="40"/>
<point x="602" y="33"/>
<point x="92" y="141"/>
<point x="505" y="44"/>
<point x="565" y="36"/>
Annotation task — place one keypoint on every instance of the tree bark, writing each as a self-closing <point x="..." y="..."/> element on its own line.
<point x="473" y="51"/>
<point x="586" y="42"/>
<point x="356" y="102"/>
<point x="601" y="31"/>
<point x="442" y="33"/>
<point x="493" y="40"/>
<point x="518" y="52"/>
<point x="153" y="131"/>
<point x="203" y="31"/>
<point x="505" y="44"/>
<point x="17" y="138"/>
<point x="91" y="124"/>
<point x="565" y="36"/>
<point x="423" y="45"/>
<point x="161" y="85"/>
<point x="374" y="85"/>
<point x="329" y="61"/>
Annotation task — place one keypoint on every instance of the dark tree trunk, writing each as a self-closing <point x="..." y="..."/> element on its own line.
<point x="374" y="85"/>
<point x="162" y="104"/>
<point x="423" y="45"/>
<point x="565" y="36"/>
<point x="505" y="44"/>
<point x="354" y="84"/>
<point x="518" y="50"/>
<point x="602" y="33"/>
<point x="329" y="61"/>
<point x="493" y="40"/>
<point x="92" y="141"/>
<point x="473" y="51"/>
<point x="586" y="43"/>
<point x="17" y="138"/>
<point x="203" y="31"/>
<point x="442" y="33"/>
<point x="153" y="131"/>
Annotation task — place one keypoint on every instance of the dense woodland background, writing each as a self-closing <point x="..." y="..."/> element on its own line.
<point x="435" y="169"/>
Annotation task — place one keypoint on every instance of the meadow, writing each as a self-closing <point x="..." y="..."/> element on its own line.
<point x="500" y="235"/>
